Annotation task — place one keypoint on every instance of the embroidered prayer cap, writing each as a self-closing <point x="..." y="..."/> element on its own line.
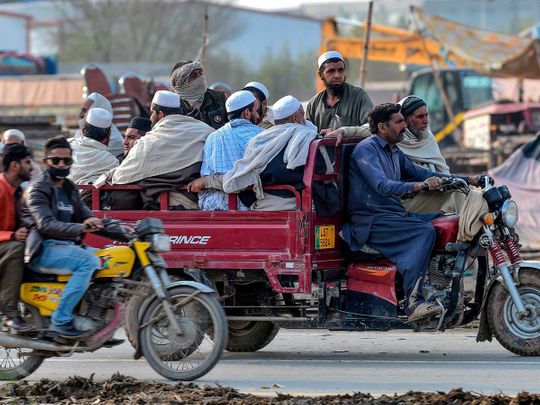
<point x="285" y="107"/>
<point x="141" y="124"/>
<point x="100" y="118"/>
<point x="165" y="98"/>
<point x="329" y="55"/>
<point x="259" y="86"/>
<point x="238" y="100"/>
<point x="410" y="104"/>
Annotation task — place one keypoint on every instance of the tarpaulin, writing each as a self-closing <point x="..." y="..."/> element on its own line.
<point x="488" y="52"/>
<point x="521" y="173"/>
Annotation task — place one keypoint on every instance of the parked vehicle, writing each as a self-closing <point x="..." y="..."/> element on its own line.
<point x="172" y="330"/>
<point x="291" y="269"/>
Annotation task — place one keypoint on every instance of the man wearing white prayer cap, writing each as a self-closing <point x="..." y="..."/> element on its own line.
<point x="167" y="158"/>
<point x="12" y="136"/>
<point x="96" y="100"/>
<point x="91" y="157"/>
<point x="340" y="103"/>
<point x="224" y="147"/>
<point x="288" y="110"/>
<point x="260" y="91"/>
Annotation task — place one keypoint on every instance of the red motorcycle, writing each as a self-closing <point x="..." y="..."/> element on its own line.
<point x="508" y="292"/>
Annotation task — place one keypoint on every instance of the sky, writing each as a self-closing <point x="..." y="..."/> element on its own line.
<point x="281" y="4"/>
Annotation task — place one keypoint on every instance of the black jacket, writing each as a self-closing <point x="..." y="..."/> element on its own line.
<point x="212" y="111"/>
<point x="40" y="214"/>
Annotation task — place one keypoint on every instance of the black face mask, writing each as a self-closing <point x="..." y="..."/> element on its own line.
<point x="57" y="173"/>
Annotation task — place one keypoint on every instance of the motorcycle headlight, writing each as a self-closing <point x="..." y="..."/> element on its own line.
<point x="160" y="243"/>
<point x="509" y="213"/>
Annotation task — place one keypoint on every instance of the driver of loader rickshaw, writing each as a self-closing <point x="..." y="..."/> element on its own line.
<point x="58" y="218"/>
<point x="379" y="174"/>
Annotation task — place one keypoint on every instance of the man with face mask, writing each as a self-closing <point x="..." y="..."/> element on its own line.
<point x="340" y="104"/>
<point x="420" y="146"/>
<point x="225" y="146"/>
<point x="96" y="100"/>
<point x="58" y="219"/>
<point x="17" y="168"/>
<point x="198" y="101"/>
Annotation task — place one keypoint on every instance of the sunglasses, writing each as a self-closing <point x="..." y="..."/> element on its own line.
<point x="56" y="160"/>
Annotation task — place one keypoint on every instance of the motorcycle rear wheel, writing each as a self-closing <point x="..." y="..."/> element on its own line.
<point x="18" y="363"/>
<point x="198" y="349"/>
<point x="520" y="336"/>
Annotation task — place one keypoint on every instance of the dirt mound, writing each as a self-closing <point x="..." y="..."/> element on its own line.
<point x="127" y="390"/>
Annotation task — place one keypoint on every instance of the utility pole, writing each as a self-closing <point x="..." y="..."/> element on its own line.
<point x="367" y="33"/>
<point x="202" y="52"/>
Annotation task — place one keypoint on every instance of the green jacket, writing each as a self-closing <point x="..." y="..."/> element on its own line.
<point x="212" y="111"/>
<point x="351" y="110"/>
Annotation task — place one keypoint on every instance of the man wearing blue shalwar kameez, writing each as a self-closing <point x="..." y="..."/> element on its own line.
<point x="379" y="173"/>
<point x="224" y="147"/>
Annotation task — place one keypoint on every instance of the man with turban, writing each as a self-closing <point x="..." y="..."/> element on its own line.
<point x="198" y="101"/>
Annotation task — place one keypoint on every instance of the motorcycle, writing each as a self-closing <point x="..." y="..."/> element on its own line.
<point x="507" y="294"/>
<point x="182" y="331"/>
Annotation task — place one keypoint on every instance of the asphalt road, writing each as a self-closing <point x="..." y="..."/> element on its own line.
<point x="321" y="362"/>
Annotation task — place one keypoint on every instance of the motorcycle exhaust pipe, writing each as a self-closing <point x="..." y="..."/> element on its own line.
<point x="12" y="341"/>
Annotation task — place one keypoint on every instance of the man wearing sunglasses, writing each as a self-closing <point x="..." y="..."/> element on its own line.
<point x="58" y="219"/>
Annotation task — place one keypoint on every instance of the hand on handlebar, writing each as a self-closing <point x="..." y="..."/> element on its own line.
<point x="429" y="184"/>
<point x="92" y="224"/>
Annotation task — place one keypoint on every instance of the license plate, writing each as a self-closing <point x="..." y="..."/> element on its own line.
<point x="325" y="237"/>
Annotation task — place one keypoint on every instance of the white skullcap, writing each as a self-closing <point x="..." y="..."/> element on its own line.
<point x="238" y="100"/>
<point x="100" y="118"/>
<point x="165" y="98"/>
<point x="259" y="86"/>
<point x="93" y="96"/>
<point x="329" y="55"/>
<point x="285" y="107"/>
<point x="14" y="132"/>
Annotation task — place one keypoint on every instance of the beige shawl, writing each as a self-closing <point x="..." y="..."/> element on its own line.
<point x="424" y="152"/>
<point x="174" y="143"/>
<point x="90" y="160"/>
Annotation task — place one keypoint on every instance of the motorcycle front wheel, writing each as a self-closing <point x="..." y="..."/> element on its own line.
<point x="196" y="351"/>
<point x="17" y="363"/>
<point x="518" y="335"/>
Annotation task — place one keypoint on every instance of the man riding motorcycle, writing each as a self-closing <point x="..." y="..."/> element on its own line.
<point x="379" y="174"/>
<point x="58" y="219"/>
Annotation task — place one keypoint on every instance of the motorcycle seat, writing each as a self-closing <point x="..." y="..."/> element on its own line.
<point x="33" y="276"/>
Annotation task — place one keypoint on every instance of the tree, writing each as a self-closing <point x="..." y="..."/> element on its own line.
<point x="137" y="30"/>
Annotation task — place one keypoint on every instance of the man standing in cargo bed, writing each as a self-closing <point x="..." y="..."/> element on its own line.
<point x="340" y="104"/>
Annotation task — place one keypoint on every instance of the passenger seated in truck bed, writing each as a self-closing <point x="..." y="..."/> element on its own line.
<point x="167" y="158"/>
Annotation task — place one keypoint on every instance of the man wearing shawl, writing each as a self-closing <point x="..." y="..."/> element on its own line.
<point x="420" y="146"/>
<point x="96" y="100"/>
<point x="91" y="157"/>
<point x="224" y="147"/>
<point x="198" y="101"/>
<point x="167" y="158"/>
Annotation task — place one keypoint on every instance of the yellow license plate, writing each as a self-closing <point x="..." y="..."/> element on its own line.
<point x="325" y="237"/>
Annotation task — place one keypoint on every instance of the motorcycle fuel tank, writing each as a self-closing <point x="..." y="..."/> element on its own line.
<point x="447" y="230"/>
<point x="116" y="261"/>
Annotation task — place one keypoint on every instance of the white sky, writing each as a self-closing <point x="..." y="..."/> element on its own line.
<point x="281" y="4"/>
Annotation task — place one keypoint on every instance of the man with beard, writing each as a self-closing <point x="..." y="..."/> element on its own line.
<point x="167" y="158"/>
<point x="260" y="91"/>
<point x="379" y="173"/>
<point x="224" y="147"/>
<point x="340" y="104"/>
<point x="420" y="146"/>
<point x="13" y="136"/>
<point x="198" y="101"/>
<point x="17" y="167"/>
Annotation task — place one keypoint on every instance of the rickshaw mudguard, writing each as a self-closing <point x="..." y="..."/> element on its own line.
<point x="484" y="331"/>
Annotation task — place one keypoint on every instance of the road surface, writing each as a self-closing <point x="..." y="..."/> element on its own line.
<point x="323" y="362"/>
